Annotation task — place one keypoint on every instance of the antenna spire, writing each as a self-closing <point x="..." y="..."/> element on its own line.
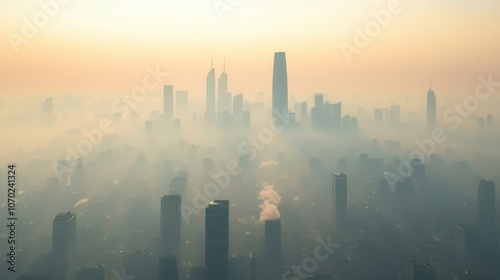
<point x="224" y="64"/>
<point x="212" y="61"/>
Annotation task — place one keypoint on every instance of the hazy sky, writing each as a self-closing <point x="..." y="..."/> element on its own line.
<point x="96" y="46"/>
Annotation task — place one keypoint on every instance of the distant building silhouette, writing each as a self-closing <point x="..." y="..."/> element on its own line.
<point x="280" y="86"/>
<point x="224" y="97"/>
<point x="210" y="97"/>
<point x="168" y="101"/>
<point x="238" y="110"/>
<point x="170" y="232"/>
<point x="339" y="213"/>
<point x="217" y="240"/>
<point x="337" y="116"/>
<point x="64" y="246"/>
<point x="431" y="108"/>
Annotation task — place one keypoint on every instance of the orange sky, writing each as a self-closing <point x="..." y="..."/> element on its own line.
<point x="94" y="47"/>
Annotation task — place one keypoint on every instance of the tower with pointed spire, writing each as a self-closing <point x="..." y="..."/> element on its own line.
<point x="210" y="94"/>
<point x="431" y="106"/>
<point x="224" y="97"/>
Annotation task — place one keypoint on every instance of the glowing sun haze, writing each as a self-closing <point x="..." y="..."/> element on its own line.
<point x="100" y="47"/>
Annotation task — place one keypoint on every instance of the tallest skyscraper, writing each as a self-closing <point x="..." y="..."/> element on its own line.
<point x="280" y="87"/>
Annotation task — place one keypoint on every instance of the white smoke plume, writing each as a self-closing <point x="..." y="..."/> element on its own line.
<point x="81" y="202"/>
<point x="270" y="201"/>
<point x="267" y="164"/>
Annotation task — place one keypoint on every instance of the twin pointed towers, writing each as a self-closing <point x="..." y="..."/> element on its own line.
<point x="224" y="97"/>
<point x="279" y="92"/>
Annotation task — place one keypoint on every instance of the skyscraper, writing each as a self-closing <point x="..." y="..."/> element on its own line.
<point x="280" y="87"/>
<point x="272" y="249"/>
<point x="466" y="238"/>
<point x="337" y="116"/>
<point x="168" y="101"/>
<point x="224" y="97"/>
<point x="210" y="91"/>
<point x="253" y="267"/>
<point x="238" y="109"/>
<point x="431" y="108"/>
<point x="171" y="225"/>
<point x="339" y="201"/>
<point x="486" y="214"/>
<point x="217" y="240"/>
<point x="64" y="246"/>
<point x="168" y="268"/>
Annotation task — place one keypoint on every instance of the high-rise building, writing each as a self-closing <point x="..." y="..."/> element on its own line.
<point x="253" y="267"/>
<point x="171" y="225"/>
<point x="168" y="101"/>
<point x="431" y="107"/>
<point x="217" y="240"/>
<point x="280" y="87"/>
<point x="327" y="115"/>
<point x="304" y="118"/>
<point x="224" y="97"/>
<point x="337" y="116"/>
<point x="182" y="102"/>
<point x="91" y="272"/>
<point x="168" y="268"/>
<point x="418" y="173"/>
<point x="486" y="214"/>
<point x="64" y="246"/>
<point x="272" y="249"/>
<point x="238" y="267"/>
<point x="346" y="123"/>
<point x="339" y="212"/>
<point x="210" y="97"/>
<point x="238" y="109"/>
<point x="354" y="124"/>
<point x="466" y="238"/>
